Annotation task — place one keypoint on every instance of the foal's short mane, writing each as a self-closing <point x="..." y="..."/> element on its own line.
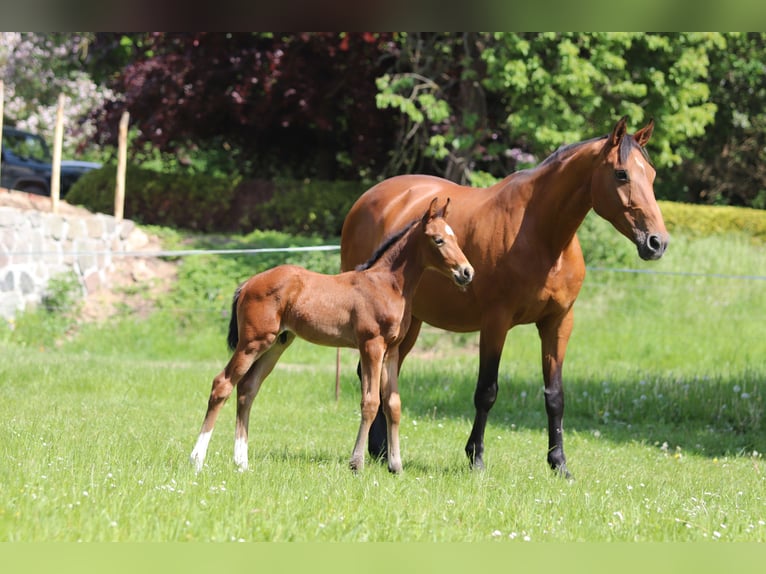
<point x="627" y="144"/>
<point x="385" y="246"/>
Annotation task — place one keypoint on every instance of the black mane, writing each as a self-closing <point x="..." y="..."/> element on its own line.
<point x="385" y="245"/>
<point x="627" y="144"/>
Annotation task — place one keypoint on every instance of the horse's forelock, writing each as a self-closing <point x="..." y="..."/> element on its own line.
<point x="628" y="144"/>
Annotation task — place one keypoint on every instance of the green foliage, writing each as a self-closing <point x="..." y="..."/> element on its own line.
<point x="562" y="88"/>
<point x="47" y="325"/>
<point x="198" y="202"/>
<point x="603" y="246"/>
<point x="194" y="202"/>
<point x="306" y="207"/>
<point x="728" y="161"/>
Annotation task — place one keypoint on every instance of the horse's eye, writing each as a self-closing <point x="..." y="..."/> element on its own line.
<point x="439" y="241"/>
<point x="621" y="175"/>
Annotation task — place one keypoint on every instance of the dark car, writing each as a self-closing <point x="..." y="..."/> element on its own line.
<point x="26" y="164"/>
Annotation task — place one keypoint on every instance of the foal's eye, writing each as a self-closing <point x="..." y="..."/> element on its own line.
<point x="439" y="241"/>
<point x="621" y="175"/>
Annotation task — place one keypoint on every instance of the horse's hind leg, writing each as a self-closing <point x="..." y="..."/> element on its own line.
<point x="248" y="389"/>
<point x="223" y="385"/>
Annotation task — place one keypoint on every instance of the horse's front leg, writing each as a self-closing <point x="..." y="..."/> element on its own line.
<point x="554" y="336"/>
<point x="371" y="365"/>
<point x="248" y="389"/>
<point x="491" y="341"/>
<point x="377" y="443"/>
<point x="392" y="407"/>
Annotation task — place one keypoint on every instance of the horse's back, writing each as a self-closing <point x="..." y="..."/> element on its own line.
<point x="387" y="207"/>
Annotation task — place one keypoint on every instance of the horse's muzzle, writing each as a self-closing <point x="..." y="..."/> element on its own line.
<point x="653" y="247"/>
<point x="463" y="275"/>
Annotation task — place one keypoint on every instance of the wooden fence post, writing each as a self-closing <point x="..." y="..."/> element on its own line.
<point x="58" y="140"/>
<point x="2" y="99"/>
<point x="122" y="154"/>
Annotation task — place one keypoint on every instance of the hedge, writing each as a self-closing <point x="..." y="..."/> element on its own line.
<point x="315" y="207"/>
<point x="703" y="220"/>
<point x="207" y="204"/>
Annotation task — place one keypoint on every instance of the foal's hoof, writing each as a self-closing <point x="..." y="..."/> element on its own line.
<point x="356" y="465"/>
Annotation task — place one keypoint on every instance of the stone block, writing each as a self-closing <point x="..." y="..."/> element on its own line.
<point x="8" y="282"/>
<point x="126" y="228"/>
<point x="56" y="227"/>
<point x="95" y="228"/>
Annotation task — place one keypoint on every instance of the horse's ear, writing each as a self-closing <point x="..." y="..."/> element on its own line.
<point x="642" y="136"/>
<point x="618" y="132"/>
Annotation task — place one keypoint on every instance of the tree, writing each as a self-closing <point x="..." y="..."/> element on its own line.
<point x="36" y="68"/>
<point x="728" y="165"/>
<point x="267" y="104"/>
<point x="496" y="102"/>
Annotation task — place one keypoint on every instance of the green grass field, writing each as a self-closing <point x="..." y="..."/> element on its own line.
<point x="665" y="383"/>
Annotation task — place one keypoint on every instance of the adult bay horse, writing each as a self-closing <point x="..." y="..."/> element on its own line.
<point x="520" y="237"/>
<point x="368" y="309"/>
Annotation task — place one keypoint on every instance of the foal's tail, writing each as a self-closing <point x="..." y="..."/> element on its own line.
<point x="233" y="338"/>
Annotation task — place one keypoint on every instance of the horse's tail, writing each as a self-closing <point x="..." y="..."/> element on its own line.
<point x="233" y="338"/>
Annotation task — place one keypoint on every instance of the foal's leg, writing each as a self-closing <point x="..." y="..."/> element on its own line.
<point x="392" y="407"/>
<point x="491" y="341"/>
<point x="554" y="336"/>
<point x="371" y="353"/>
<point x="378" y="433"/>
<point x="248" y="389"/>
<point x="223" y="385"/>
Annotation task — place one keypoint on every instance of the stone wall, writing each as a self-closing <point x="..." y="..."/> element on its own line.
<point x="36" y="246"/>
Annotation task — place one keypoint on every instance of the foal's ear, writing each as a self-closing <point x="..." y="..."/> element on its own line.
<point x="642" y="136"/>
<point x="618" y="132"/>
<point x="431" y="211"/>
<point x="443" y="211"/>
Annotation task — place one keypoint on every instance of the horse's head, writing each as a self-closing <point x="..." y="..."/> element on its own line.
<point x="622" y="190"/>
<point x="442" y="250"/>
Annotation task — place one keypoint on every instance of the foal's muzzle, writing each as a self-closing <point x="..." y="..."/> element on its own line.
<point x="463" y="275"/>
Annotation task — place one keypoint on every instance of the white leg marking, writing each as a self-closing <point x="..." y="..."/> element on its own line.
<point x="240" y="453"/>
<point x="200" y="449"/>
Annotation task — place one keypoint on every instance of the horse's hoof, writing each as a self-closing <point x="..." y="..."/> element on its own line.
<point x="562" y="471"/>
<point x="356" y="465"/>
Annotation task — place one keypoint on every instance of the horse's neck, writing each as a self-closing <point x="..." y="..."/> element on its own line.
<point x="561" y="196"/>
<point x="403" y="263"/>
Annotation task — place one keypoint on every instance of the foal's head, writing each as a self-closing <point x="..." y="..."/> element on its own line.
<point x="440" y="248"/>
<point x="622" y="190"/>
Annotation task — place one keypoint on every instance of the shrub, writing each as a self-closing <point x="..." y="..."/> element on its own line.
<point x="307" y="207"/>
<point x="208" y="204"/>
<point x="196" y="202"/>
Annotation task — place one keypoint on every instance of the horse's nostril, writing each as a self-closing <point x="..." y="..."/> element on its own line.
<point x="654" y="242"/>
